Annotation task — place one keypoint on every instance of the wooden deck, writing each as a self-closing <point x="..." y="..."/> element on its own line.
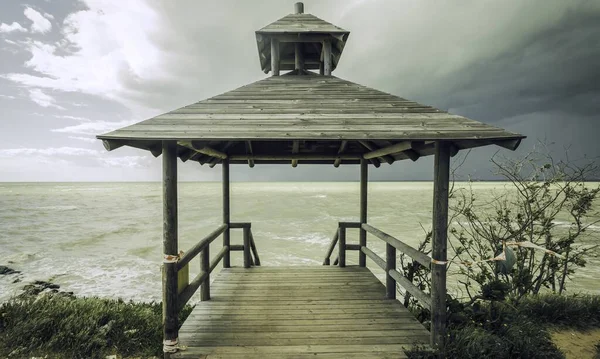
<point x="299" y="312"/>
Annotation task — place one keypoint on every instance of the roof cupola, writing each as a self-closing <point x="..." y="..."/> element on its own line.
<point x="300" y="42"/>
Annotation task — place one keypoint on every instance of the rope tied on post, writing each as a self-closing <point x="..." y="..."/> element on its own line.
<point x="172" y="346"/>
<point x="172" y="258"/>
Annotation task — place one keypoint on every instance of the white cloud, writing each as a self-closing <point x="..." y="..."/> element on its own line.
<point x="93" y="128"/>
<point x="39" y="22"/>
<point x="38" y="96"/>
<point x="125" y="161"/>
<point x="49" y="16"/>
<point x="15" y="26"/>
<point x="51" y="151"/>
<point x="8" y="97"/>
<point x="84" y="139"/>
<point x="74" y="118"/>
<point x="107" y="42"/>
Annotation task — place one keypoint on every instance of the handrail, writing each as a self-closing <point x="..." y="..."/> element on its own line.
<point x="423" y="298"/>
<point x="393" y="276"/>
<point x="415" y="254"/>
<point x="203" y="243"/>
<point x="335" y="240"/>
<point x="203" y="247"/>
<point x="331" y="248"/>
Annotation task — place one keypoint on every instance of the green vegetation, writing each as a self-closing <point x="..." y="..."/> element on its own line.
<point x="512" y="261"/>
<point x="510" y="329"/>
<point x="62" y="326"/>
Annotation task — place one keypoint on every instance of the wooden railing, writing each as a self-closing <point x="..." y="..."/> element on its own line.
<point x="393" y="276"/>
<point x="202" y="280"/>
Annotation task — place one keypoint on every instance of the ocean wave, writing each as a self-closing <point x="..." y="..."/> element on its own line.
<point x="55" y="208"/>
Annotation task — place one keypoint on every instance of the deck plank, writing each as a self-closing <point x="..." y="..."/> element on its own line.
<point x="299" y="312"/>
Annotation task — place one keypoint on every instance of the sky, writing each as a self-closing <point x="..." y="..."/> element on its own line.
<point x="72" y="69"/>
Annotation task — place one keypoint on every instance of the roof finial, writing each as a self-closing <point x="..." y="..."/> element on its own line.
<point x="299" y="8"/>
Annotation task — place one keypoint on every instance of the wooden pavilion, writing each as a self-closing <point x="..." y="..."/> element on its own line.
<point x="302" y="117"/>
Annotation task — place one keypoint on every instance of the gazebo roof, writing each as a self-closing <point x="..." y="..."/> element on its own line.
<point x="306" y="29"/>
<point x="308" y="118"/>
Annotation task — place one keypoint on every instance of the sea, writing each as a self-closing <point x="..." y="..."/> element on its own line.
<point x="105" y="239"/>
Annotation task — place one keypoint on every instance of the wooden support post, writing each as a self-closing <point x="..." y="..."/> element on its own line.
<point x="205" y="267"/>
<point x="246" y="247"/>
<point x="170" y="246"/>
<point x="327" y="65"/>
<point x="362" y="239"/>
<point x="390" y="264"/>
<point x="275" y="57"/>
<point x="299" y="59"/>
<point x="441" y="179"/>
<point x="226" y="213"/>
<point x="342" y="246"/>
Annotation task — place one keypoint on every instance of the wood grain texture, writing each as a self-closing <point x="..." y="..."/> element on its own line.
<point x="263" y="119"/>
<point x="338" y="318"/>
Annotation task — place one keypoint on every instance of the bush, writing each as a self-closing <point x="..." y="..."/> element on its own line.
<point x="68" y="327"/>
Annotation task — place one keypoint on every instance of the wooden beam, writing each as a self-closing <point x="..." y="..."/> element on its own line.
<point x="216" y="160"/>
<point x="374" y="257"/>
<point x="110" y="145"/>
<point x="412" y="154"/>
<point x="341" y="150"/>
<point x="342" y="247"/>
<point x="170" y="245"/>
<point x="205" y="150"/>
<point x="204" y="267"/>
<point x="398" y="147"/>
<point x="246" y="239"/>
<point x="390" y="264"/>
<point x="441" y="178"/>
<point x="334" y="241"/>
<point x="275" y="56"/>
<point x="226" y="212"/>
<point x="372" y="148"/>
<point x="249" y="152"/>
<point x="327" y="58"/>
<point x="299" y="57"/>
<point x="415" y="254"/>
<point x="254" y="250"/>
<point x="316" y="157"/>
<point x="199" y="247"/>
<point x="362" y="235"/>
<point x="424" y="299"/>
<point x="295" y="150"/>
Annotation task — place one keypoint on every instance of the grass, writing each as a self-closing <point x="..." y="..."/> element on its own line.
<point x="67" y="327"/>
<point x="508" y="330"/>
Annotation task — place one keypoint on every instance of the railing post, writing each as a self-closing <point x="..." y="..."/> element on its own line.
<point x="390" y="264"/>
<point x="246" y="247"/>
<point x="362" y="239"/>
<point x="226" y="213"/>
<point x="205" y="267"/>
<point x="441" y="179"/>
<point x="342" y="246"/>
<point x="170" y="247"/>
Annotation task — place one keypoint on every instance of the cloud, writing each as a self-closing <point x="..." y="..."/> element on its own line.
<point x="51" y="151"/>
<point x="39" y="22"/>
<point x="38" y="96"/>
<point x="74" y="118"/>
<point x="85" y="139"/>
<point x="125" y="161"/>
<point x="8" y="97"/>
<point x="15" y="26"/>
<point x="93" y="128"/>
<point x="113" y="40"/>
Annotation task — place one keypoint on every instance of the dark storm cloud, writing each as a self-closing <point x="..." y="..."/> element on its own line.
<point x="528" y="66"/>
